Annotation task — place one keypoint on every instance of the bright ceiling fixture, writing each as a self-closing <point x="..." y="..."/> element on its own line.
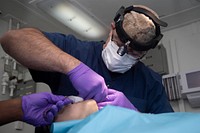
<point x="73" y="17"/>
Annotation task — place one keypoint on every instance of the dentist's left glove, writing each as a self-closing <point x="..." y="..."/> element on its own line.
<point x="40" y="109"/>
<point x="116" y="98"/>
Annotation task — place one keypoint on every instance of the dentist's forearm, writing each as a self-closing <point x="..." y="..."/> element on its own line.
<point x="32" y="49"/>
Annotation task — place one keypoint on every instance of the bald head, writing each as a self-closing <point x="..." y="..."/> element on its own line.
<point x="138" y="26"/>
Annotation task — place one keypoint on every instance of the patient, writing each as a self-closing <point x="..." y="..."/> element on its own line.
<point x="177" y="122"/>
<point x="77" y="110"/>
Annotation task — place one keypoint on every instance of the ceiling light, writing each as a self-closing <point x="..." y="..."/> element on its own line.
<point x="74" y="18"/>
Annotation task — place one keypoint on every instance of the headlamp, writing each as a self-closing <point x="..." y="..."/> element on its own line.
<point x="127" y="40"/>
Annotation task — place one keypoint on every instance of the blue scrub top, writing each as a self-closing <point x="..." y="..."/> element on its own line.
<point x="141" y="85"/>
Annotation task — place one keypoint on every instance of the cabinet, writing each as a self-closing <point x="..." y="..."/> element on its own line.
<point x="156" y="59"/>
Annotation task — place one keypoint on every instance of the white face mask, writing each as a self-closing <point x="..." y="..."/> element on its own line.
<point x="115" y="62"/>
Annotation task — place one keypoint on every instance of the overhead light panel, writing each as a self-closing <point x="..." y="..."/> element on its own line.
<point x="74" y="18"/>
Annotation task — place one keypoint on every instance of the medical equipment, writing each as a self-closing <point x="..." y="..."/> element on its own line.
<point x="12" y="86"/>
<point x="5" y="80"/>
<point x="190" y="83"/>
<point x="183" y="85"/>
<point x="127" y="40"/>
<point x="6" y="57"/>
<point x="14" y="64"/>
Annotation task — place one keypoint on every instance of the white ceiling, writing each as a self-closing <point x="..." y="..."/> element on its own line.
<point x="174" y="12"/>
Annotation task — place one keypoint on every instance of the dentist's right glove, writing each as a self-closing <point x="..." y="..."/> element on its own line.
<point x="88" y="83"/>
<point x="116" y="98"/>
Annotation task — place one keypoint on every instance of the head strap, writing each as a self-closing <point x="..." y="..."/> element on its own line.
<point x="124" y="37"/>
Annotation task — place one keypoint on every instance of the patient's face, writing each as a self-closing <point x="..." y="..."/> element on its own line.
<point x="77" y="110"/>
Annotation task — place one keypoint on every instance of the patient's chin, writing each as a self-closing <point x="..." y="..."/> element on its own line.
<point x="77" y="110"/>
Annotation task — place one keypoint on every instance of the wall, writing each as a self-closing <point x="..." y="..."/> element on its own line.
<point x="183" y="45"/>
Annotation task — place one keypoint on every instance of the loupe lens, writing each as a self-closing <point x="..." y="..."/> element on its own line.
<point x="121" y="51"/>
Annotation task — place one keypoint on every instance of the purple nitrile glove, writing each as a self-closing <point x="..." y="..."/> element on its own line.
<point x="116" y="98"/>
<point x="40" y="109"/>
<point x="88" y="83"/>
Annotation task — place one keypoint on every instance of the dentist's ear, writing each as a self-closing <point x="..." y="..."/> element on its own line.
<point x="110" y="35"/>
<point x="113" y="26"/>
<point x="112" y="29"/>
